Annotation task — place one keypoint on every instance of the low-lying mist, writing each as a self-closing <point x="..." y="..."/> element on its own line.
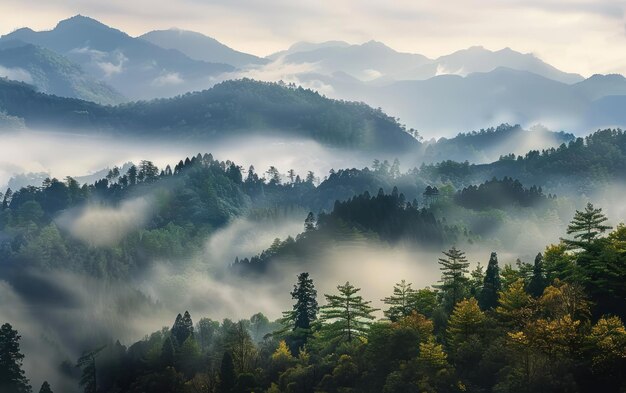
<point x="104" y="225"/>
<point x="65" y="154"/>
<point x="60" y="314"/>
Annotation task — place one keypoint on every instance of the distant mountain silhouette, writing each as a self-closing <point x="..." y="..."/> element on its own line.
<point x="53" y="74"/>
<point x="200" y="47"/>
<point x="135" y="67"/>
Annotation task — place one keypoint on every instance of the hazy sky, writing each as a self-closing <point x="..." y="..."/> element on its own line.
<point x="584" y="36"/>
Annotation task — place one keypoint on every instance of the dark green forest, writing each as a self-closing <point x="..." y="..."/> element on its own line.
<point x="228" y="109"/>
<point x="555" y="325"/>
<point x="201" y="194"/>
<point x="339" y="216"/>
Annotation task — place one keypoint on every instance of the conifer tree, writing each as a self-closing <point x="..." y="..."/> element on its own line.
<point x="301" y="317"/>
<point x="491" y="285"/>
<point x="305" y="309"/>
<point x="477" y="277"/>
<point x="183" y="328"/>
<point x="453" y="276"/>
<point x="227" y="374"/>
<point x="346" y="315"/>
<point x="12" y="377"/>
<point x="586" y="226"/>
<point x="309" y="222"/>
<point x="45" y="387"/>
<point x="466" y="319"/>
<point x="537" y="281"/>
<point x="401" y="303"/>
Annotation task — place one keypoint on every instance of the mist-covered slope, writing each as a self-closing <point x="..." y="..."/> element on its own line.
<point x="53" y="74"/>
<point x="447" y="104"/>
<point x="479" y="59"/>
<point x="135" y="67"/>
<point x="233" y="108"/>
<point x="200" y="47"/>
<point x="367" y="61"/>
<point x="488" y="145"/>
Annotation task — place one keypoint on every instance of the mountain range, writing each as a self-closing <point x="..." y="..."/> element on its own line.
<point x="53" y="73"/>
<point x="133" y="66"/>
<point x="468" y="89"/>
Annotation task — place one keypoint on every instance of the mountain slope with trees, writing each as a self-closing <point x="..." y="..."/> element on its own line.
<point x="554" y="326"/>
<point x="56" y="75"/>
<point x="241" y="107"/>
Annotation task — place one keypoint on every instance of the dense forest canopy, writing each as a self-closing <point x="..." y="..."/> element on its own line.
<point x="553" y="325"/>
<point x="515" y="312"/>
<point x="201" y="194"/>
<point x="178" y="216"/>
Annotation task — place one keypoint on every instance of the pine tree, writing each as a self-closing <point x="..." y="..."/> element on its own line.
<point x="401" y="302"/>
<point x="538" y="280"/>
<point x="227" y="374"/>
<point x="45" y="388"/>
<point x="309" y="222"/>
<point x="183" y="328"/>
<point x="299" y="320"/>
<point x="291" y="174"/>
<point x="305" y="309"/>
<point x="586" y="226"/>
<point x="453" y="280"/>
<point x="187" y="325"/>
<point x="477" y="277"/>
<point x="491" y="285"/>
<point x="347" y="315"/>
<point x="12" y="377"/>
<point x="274" y="175"/>
<point x="466" y="319"/>
<point x="132" y="174"/>
<point x="6" y="200"/>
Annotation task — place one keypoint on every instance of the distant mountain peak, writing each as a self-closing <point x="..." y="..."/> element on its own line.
<point x="307" y="45"/>
<point x="23" y="30"/>
<point x="80" y="20"/>
<point x="475" y="48"/>
<point x="374" y="43"/>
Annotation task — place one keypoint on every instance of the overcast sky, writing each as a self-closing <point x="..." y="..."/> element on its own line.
<point x="584" y="36"/>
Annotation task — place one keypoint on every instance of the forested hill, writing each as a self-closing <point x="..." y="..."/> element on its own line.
<point x="238" y="107"/>
<point x="486" y="145"/>
<point x="582" y="166"/>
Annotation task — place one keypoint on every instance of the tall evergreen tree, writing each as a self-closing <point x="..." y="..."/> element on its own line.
<point x="228" y="378"/>
<point x="309" y="222"/>
<point x="300" y="318"/>
<point x="477" y="277"/>
<point x="453" y="276"/>
<point x="183" y="328"/>
<point x="45" y="387"/>
<point x="491" y="285"/>
<point x="305" y="309"/>
<point x="12" y="377"/>
<point x="132" y="174"/>
<point x="346" y="315"/>
<point x="586" y="226"/>
<point x="401" y="303"/>
<point x="538" y="280"/>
